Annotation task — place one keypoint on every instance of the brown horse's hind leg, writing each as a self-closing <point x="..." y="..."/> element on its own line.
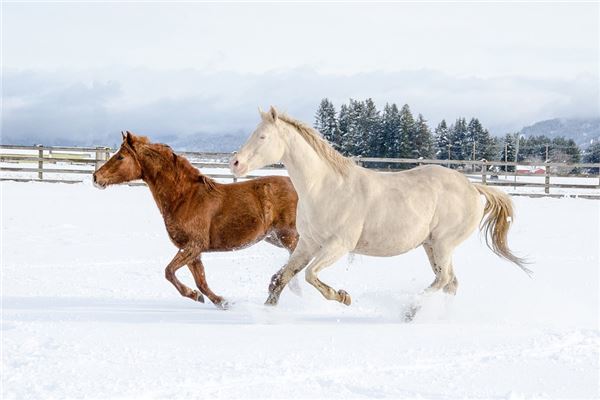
<point x="288" y="238"/>
<point x="284" y="238"/>
<point x="181" y="258"/>
<point x="441" y="264"/>
<point x="197" y="269"/>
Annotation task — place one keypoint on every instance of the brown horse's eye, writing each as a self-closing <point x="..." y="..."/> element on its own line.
<point x="119" y="157"/>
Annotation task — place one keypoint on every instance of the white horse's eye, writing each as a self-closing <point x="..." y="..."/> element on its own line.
<point x="262" y="137"/>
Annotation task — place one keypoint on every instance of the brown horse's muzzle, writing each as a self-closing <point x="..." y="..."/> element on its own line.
<point x="99" y="185"/>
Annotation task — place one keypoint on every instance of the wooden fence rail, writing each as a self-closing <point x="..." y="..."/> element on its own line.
<point x="43" y="159"/>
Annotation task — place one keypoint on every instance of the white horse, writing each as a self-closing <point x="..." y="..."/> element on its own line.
<point x="344" y="208"/>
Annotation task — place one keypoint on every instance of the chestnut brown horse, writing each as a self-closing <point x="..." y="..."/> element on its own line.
<point x="200" y="214"/>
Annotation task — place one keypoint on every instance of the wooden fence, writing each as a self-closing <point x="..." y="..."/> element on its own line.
<point x="76" y="162"/>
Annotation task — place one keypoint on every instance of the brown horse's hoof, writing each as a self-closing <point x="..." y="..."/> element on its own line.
<point x="344" y="297"/>
<point x="223" y="304"/>
<point x="199" y="296"/>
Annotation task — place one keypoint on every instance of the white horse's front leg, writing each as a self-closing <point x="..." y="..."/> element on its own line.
<point x="298" y="260"/>
<point x="328" y="255"/>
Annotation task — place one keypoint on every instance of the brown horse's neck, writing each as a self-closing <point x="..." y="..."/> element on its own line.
<point x="169" y="176"/>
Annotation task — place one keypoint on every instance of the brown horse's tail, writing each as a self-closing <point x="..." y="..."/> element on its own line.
<point x="498" y="215"/>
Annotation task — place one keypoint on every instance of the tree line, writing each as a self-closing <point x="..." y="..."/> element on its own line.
<point x="360" y="129"/>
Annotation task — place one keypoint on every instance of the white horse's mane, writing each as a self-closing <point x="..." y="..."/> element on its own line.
<point x="337" y="161"/>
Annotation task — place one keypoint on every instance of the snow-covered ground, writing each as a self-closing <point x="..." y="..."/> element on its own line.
<point x="87" y="312"/>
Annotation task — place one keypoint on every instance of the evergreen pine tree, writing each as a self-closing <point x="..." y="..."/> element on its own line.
<point x="407" y="133"/>
<point x="390" y="128"/>
<point x="370" y="125"/>
<point x="508" y="151"/>
<point x="564" y="150"/>
<point x="442" y="141"/>
<point x="343" y="123"/>
<point x="592" y="155"/>
<point x="424" y="146"/>
<point x="478" y="142"/>
<point x="353" y="139"/>
<point x="326" y="123"/>
<point x="487" y="146"/>
<point x="457" y="134"/>
<point x="471" y="145"/>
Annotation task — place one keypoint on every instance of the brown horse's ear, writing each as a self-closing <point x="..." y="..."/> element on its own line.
<point x="130" y="138"/>
<point x="123" y="134"/>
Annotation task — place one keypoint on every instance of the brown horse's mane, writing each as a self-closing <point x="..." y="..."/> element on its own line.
<point x="164" y="155"/>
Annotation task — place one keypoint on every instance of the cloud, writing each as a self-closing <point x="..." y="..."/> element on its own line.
<point x="37" y="109"/>
<point x="93" y="106"/>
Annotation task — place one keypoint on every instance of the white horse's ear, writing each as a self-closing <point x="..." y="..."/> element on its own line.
<point x="265" y="116"/>
<point x="273" y="113"/>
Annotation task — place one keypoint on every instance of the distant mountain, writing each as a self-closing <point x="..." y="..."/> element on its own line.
<point x="583" y="131"/>
<point x="210" y="143"/>
<point x="201" y="142"/>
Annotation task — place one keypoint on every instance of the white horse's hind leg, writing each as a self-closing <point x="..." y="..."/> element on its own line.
<point x="325" y="258"/>
<point x="452" y="286"/>
<point x="440" y="258"/>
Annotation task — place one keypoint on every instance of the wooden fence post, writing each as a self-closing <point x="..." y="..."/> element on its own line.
<point x="484" y="171"/>
<point x="40" y="161"/>
<point x="99" y="154"/>
<point x="547" y="179"/>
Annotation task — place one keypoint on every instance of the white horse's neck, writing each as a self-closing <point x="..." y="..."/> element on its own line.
<point x="307" y="170"/>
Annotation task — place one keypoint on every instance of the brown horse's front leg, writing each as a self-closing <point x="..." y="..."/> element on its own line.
<point x="197" y="269"/>
<point x="182" y="257"/>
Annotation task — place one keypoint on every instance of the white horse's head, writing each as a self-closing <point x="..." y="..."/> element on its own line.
<point x="264" y="147"/>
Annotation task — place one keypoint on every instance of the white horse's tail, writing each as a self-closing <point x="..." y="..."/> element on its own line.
<point x="498" y="215"/>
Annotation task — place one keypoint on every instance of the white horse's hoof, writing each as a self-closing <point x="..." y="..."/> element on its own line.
<point x="271" y="300"/>
<point x="344" y="297"/>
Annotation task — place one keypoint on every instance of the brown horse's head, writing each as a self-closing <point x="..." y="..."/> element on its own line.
<point x="123" y="166"/>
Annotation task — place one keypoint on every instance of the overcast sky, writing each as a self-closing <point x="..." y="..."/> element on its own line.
<point x="92" y="69"/>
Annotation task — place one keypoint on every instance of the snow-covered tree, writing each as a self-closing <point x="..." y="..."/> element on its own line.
<point x="508" y="151"/>
<point x="353" y="139"/>
<point x="370" y="125"/>
<point x="407" y="133"/>
<point x="442" y="141"/>
<point x="390" y="130"/>
<point x="326" y="122"/>
<point x="423" y="145"/>
<point x="592" y="155"/>
<point x="457" y="135"/>
<point x="343" y="124"/>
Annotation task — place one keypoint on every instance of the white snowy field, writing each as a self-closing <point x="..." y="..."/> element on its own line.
<point x="87" y="313"/>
